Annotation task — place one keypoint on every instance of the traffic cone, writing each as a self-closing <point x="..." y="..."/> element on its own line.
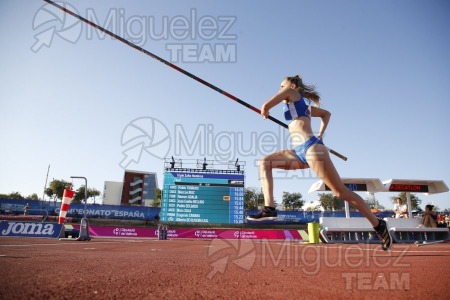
<point x="67" y="198"/>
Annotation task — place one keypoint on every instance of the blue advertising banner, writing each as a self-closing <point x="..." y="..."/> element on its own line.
<point x="30" y="229"/>
<point x="76" y="210"/>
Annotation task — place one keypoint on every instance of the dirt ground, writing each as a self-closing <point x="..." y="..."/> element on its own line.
<point x="39" y="268"/>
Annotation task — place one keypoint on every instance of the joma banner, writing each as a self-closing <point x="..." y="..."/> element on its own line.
<point x="30" y="229"/>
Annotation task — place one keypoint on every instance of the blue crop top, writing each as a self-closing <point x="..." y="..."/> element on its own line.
<point x="294" y="110"/>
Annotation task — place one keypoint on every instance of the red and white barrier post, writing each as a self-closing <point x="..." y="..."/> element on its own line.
<point x="67" y="198"/>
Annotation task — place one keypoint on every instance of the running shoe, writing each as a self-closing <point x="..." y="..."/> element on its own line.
<point x="384" y="235"/>
<point x="264" y="214"/>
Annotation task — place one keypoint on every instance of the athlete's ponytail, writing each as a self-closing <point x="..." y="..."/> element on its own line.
<point x="307" y="91"/>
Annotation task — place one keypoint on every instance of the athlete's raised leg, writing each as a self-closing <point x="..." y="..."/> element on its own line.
<point x="285" y="160"/>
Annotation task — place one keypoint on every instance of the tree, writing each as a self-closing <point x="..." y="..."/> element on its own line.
<point x="251" y="199"/>
<point x="254" y="198"/>
<point x="56" y="188"/>
<point x="13" y="195"/>
<point x="158" y="198"/>
<point x="49" y="192"/>
<point x="373" y="202"/>
<point x="16" y="195"/>
<point x="330" y="202"/>
<point x="415" y="201"/>
<point x="80" y="194"/>
<point x="93" y="192"/>
<point x="292" y="200"/>
<point x="33" y="196"/>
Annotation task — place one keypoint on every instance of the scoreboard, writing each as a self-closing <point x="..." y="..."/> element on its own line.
<point x="356" y="187"/>
<point x="211" y="196"/>
<point x="419" y="188"/>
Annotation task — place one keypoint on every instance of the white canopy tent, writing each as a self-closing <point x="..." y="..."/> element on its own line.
<point x="370" y="185"/>
<point x="415" y="186"/>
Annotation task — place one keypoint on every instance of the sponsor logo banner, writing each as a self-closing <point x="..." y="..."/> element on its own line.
<point x="192" y="233"/>
<point x="30" y="229"/>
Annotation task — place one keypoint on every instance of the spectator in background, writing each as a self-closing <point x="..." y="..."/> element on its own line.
<point x="25" y="209"/>
<point x="400" y="209"/>
<point x="440" y="218"/>
<point x="428" y="219"/>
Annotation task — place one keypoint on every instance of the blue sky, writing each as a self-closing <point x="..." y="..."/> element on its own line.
<point x="81" y="101"/>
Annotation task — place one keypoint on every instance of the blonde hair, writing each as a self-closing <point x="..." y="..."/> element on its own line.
<point x="307" y="91"/>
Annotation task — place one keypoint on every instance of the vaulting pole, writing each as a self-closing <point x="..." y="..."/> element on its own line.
<point x="175" y="67"/>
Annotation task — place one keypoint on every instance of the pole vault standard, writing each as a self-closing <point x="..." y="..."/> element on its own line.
<point x="175" y="67"/>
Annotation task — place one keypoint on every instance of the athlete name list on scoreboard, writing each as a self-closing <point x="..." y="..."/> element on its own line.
<point x="203" y="198"/>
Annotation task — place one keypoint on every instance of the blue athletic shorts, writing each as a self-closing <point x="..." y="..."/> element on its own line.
<point x="300" y="150"/>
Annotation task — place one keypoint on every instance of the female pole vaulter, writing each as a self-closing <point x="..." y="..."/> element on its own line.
<point x="309" y="152"/>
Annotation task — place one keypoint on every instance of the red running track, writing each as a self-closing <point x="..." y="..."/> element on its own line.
<point x="33" y="268"/>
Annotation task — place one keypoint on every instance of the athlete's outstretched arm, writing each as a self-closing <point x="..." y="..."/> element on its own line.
<point x="325" y="116"/>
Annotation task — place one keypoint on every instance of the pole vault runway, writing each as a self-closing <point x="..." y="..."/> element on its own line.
<point x="34" y="268"/>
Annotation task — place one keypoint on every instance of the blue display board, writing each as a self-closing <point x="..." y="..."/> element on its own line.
<point x="203" y="197"/>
